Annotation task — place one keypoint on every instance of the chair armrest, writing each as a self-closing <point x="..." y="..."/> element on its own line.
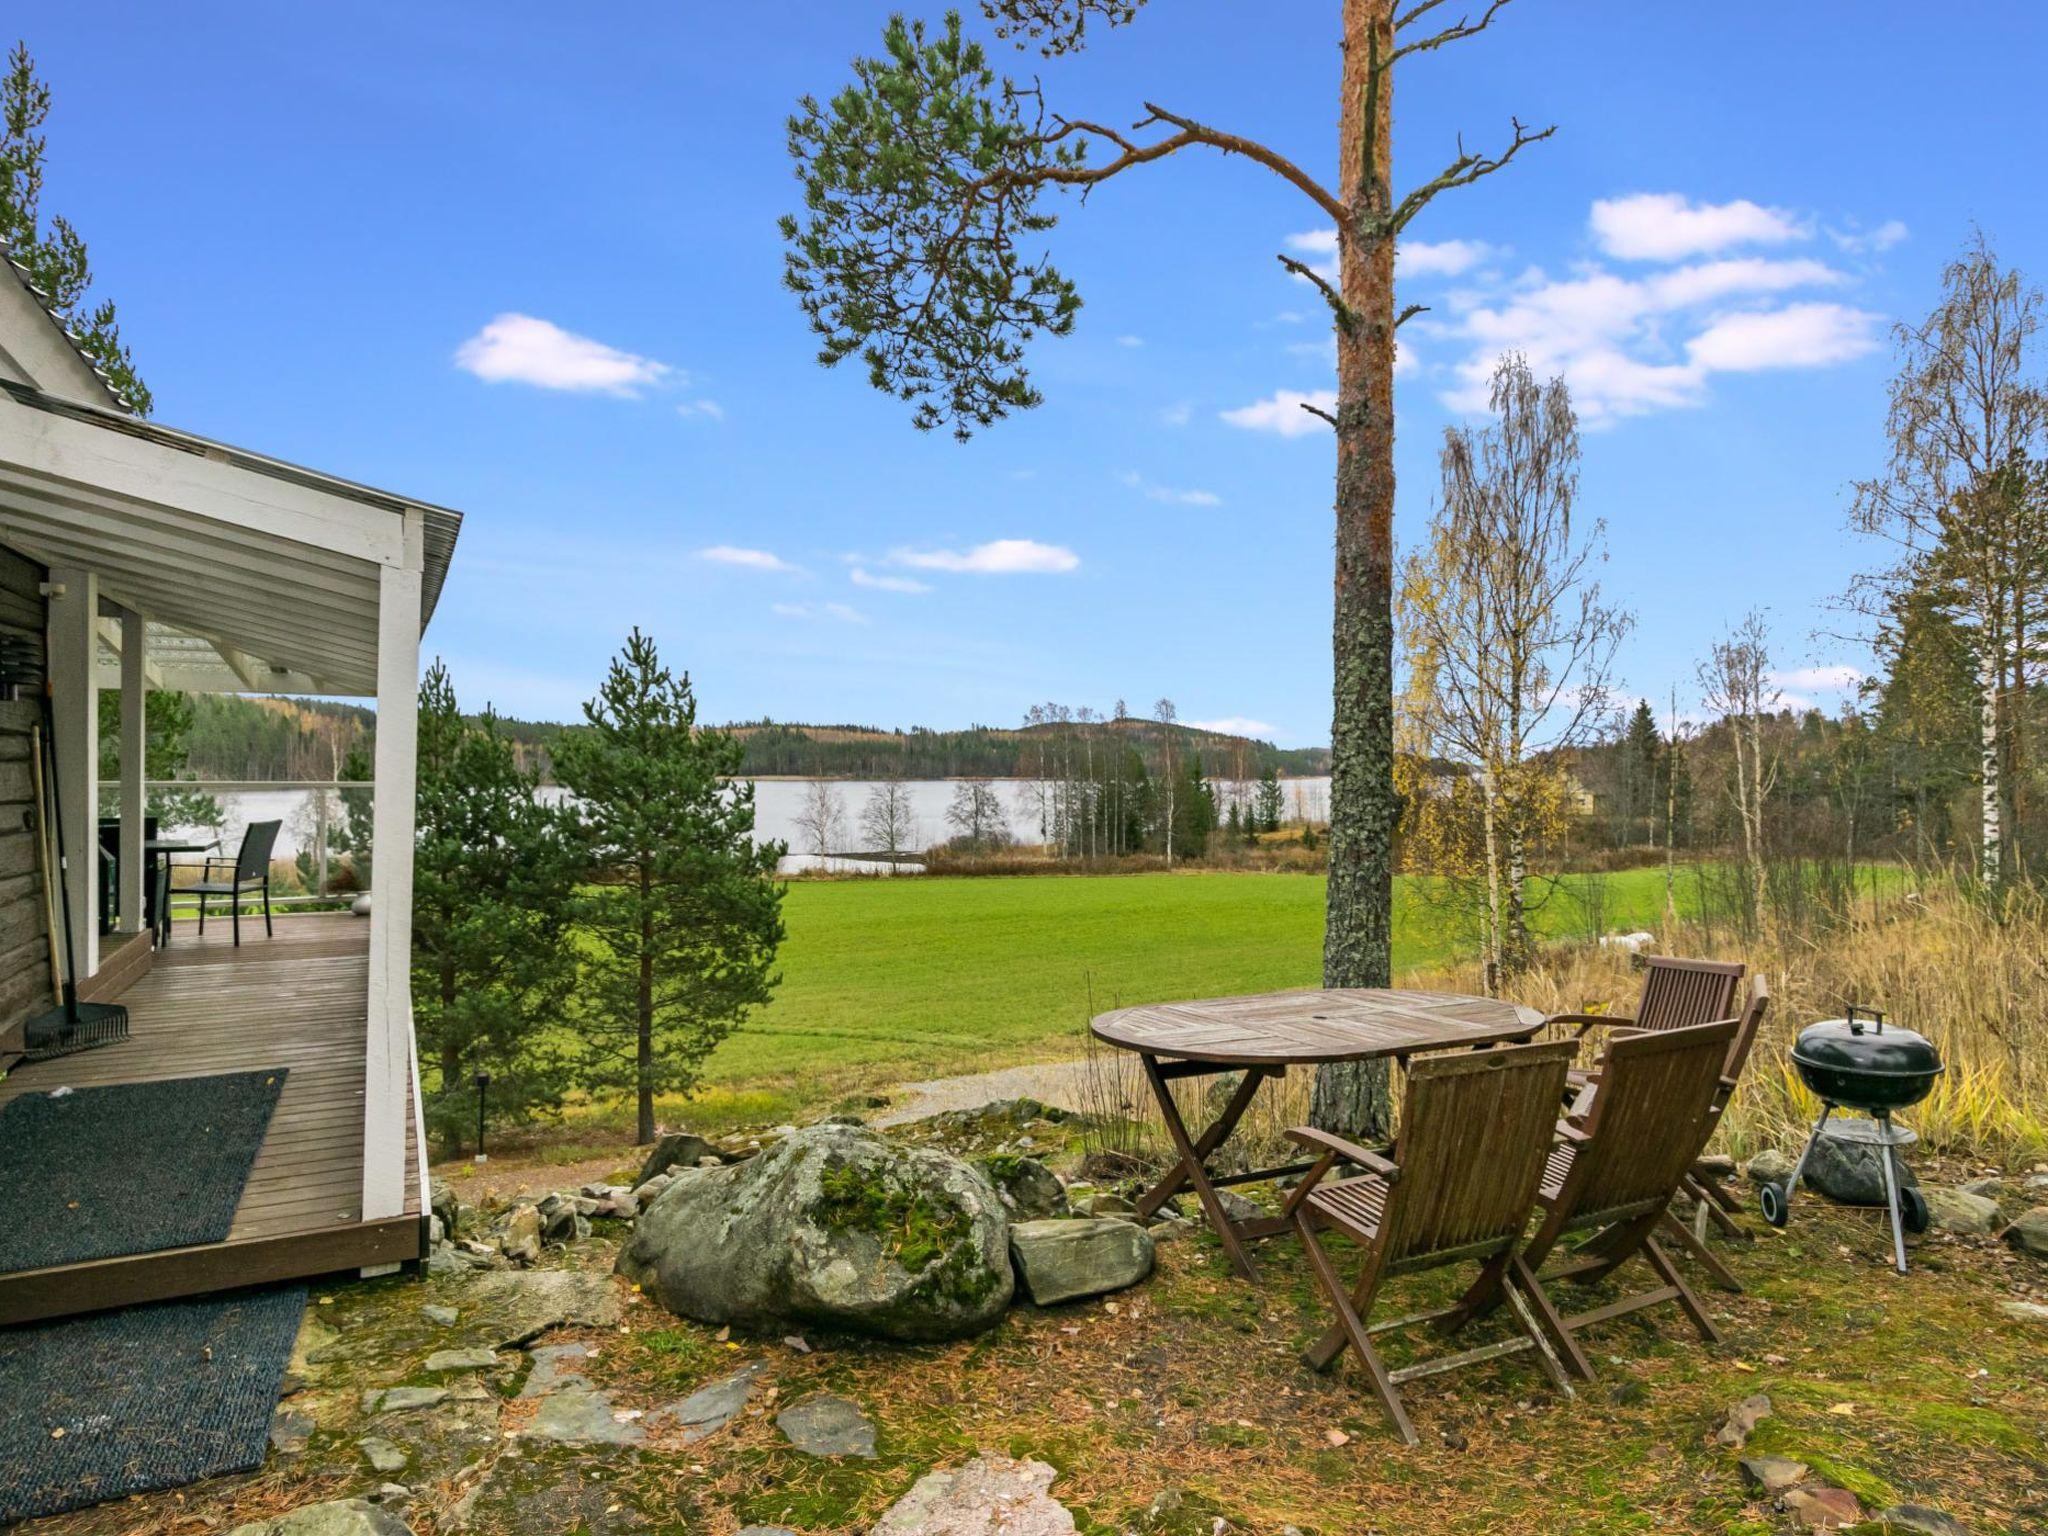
<point x="1566" y="1131"/>
<point x="1350" y="1151"/>
<point x="1587" y="1021"/>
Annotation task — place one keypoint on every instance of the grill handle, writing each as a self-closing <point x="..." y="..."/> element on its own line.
<point x="1856" y="1024"/>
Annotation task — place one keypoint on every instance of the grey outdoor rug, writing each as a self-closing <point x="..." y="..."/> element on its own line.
<point x="97" y="1173"/>
<point x="149" y="1397"/>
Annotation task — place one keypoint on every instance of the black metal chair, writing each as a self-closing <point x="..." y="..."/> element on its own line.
<point x="251" y="871"/>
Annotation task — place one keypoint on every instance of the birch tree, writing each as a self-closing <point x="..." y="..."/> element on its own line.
<point x="1961" y="504"/>
<point x="1735" y="683"/>
<point x="821" y="818"/>
<point x="888" y="820"/>
<point x="919" y="252"/>
<point x="1510" y="643"/>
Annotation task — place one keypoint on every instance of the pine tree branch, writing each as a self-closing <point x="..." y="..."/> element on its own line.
<point x="1347" y="318"/>
<point x="1316" y="410"/>
<point x="1464" y="28"/>
<point x="1409" y="314"/>
<point x="1462" y="172"/>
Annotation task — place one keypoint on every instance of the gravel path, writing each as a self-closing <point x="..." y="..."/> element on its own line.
<point x="1061" y="1083"/>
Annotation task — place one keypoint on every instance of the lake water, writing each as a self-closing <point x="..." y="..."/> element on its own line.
<point x="777" y="804"/>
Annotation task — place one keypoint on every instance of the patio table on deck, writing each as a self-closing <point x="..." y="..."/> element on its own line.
<point x="1262" y="1036"/>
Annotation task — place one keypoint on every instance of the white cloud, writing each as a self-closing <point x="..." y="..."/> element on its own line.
<point x="710" y="408"/>
<point x="1870" y="242"/>
<point x="1283" y="413"/>
<point x="1130" y="341"/>
<point x="520" y="349"/>
<point x="751" y="559"/>
<point x="1166" y="493"/>
<point x="1442" y="258"/>
<point x="1798" y="336"/>
<point x="1667" y="226"/>
<point x="1235" y="725"/>
<point x="840" y="612"/>
<point x="1412" y="258"/>
<point x="999" y="557"/>
<point x="1798" y="687"/>
<point x="866" y="578"/>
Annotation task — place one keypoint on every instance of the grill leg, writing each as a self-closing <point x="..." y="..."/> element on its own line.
<point x="1891" y="1194"/>
<point x="1799" y="1167"/>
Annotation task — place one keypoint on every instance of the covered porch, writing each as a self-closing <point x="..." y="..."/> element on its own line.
<point x="134" y="557"/>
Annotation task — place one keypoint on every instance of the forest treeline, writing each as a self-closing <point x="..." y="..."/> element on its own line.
<point x="235" y="737"/>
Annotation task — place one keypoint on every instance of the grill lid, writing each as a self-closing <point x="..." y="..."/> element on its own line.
<point x="1864" y="1043"/>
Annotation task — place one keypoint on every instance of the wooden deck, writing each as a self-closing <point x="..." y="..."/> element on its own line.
<point x="299" y="1001"/>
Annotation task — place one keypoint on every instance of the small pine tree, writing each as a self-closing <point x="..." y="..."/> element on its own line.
<point x="684" y="917"/>
<point x="494" y="877"/>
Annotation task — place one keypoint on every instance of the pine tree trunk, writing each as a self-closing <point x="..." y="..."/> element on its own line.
<point x="644" y="1062"/>
<point x="1358" y="932"/>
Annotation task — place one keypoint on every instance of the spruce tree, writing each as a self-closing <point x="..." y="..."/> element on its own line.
<point x="494" y="877"/>
<point x="683" y="917"/>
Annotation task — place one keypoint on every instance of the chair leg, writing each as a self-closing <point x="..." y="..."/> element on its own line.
<point x="1552" y="1366"/>
<point x="235" y="915"/>
<point x="1485" y="1294"/>
<point x="1668" y="1273"/>
<point x="1352" y="1331"/>
<point x="1524" y="1279"/>
<point x="1716" y="1202"/>
<point x="1683" y="1235"/>
<point x="268" y="931"/>
<point x="202" y="915"/>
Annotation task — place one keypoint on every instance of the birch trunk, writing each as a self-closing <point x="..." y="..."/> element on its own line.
<point x="1991" y="851"/>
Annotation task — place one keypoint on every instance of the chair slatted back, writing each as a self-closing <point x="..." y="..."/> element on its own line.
<point x="1475" y="1130"/>
<point x="1652" y="1115"/>
<point x="252" y="859"/>
<point x="1678" y="994"/>
<point x="1752" y="1020"/>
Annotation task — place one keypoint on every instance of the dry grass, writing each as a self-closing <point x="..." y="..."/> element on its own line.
<point x="1935" y="961"/>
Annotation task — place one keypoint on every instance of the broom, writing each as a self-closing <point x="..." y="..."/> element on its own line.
<point x="71" y="1025"/>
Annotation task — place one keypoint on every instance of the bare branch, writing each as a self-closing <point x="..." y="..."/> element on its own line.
<point x="1409" y="314"/>
<point x="1462" y="172"/>
<point x="1346" y="317"/>
<point x="1464" y="28"/>
<point x="1316" y="410"/>
<point x="1251" y="149"/>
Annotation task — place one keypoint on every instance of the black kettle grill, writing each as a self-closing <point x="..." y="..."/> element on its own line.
<point x="1857" y="1063"/>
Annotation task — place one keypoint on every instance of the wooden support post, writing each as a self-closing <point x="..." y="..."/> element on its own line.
<point x="134" y="794"/>
<point x="388" y="1069"/>
<point x="73" y="643"/>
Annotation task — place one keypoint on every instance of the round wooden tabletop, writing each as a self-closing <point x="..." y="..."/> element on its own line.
<point x="1285" y="1028"/>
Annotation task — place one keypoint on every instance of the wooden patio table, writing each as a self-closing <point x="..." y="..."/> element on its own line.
<point x="1262" y="1036"/>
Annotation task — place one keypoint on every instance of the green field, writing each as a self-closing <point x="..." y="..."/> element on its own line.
<point x="890" y="980"/>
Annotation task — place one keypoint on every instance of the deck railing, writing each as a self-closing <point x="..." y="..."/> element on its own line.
<point x="310" y="827"/>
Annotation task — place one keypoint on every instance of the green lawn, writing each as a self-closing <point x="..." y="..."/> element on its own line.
<point x="887" y="980"/>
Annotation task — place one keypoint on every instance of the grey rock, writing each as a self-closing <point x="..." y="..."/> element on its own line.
<point x="2029" y="1234"/>
<point x="1772" y="1475"/>
<point x="1742" y="1418"/>
<point x="1106" y="1204"/>
<point x="989" y="1494"/>
<point x="815" y="1231"/>
<point x="1823" y="1508"/>
<point x="1992" y="1185"/>
<point x="1238" y="1208"/>
<point x="2024" y="1311"/>
<point x="509" y="1308"/>
<point x="827" y="1426"/>
<point x="520" y="1240"/>
<point x="381" y="1454"/>
<point x="391" y="1493"/>
<point x="1851" y="1172"/>
<point x="403" y="1399"/>
<point x="444" y="1205"/>
<point x="289" y="1431"/>
<point x="554" y="1367"/>
<point x="644" y="1194"/>
<point x="1921" y="1521"/>
<point x="2035" y="1181"/>
<point x="337" y="1517"/>
<point x="1030" y="1190"/>
<point x="440" y="1317"/>
<point x="444" y="1261"/>
<point x="443" y="1361"/>
<point x="678" y="1149"/>
<point x="709" y="1409"/>
<point x="582" y="1415"/>
<point x="1061" y="1260"/>
<point x="1770" y="1166"/>
<point x="558" y="1223"/>
<point x="1955" y="1210"/>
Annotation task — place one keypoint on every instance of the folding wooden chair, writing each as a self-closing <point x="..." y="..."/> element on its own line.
<point x="1659" y="1098"/>
<point x="1677" y="994"/>
<point x="1457" y="1186"/>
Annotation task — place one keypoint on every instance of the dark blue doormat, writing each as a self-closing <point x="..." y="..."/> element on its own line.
<point x="149" y="1397"/>
<point x="99" y="1173"/>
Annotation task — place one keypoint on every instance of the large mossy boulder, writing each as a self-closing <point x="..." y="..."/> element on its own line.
<point x="832" y="1226"/>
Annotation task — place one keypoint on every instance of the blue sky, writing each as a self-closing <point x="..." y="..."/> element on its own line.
<point x="522" y="260"/>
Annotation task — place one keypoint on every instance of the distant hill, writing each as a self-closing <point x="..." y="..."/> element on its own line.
<point x="234" y="737"/>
